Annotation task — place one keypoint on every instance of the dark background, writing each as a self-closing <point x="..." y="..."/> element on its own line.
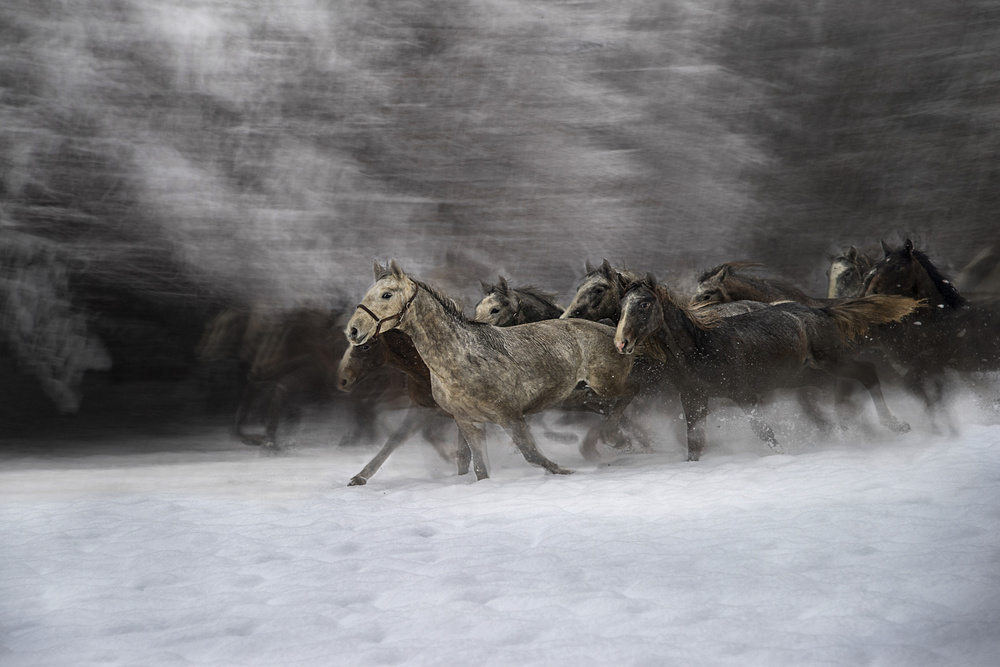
<point x="161" y="161"/>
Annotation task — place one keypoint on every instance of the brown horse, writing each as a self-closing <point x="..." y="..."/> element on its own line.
<point x="727" y="283"/>
<point x="393" y="348"/>
<point x="946" y="334"/>
<point x="486" y="374"/>
<point x="746" y="356"/>
<point x="286" y="356"/>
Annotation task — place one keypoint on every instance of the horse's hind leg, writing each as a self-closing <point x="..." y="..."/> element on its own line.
<point x="457" y="452"/>
<point x="412" y="422"/>
<point x="760" y="427"/>
<point x="865" y="373"/>
<point x="695" y="413"/>
<point x="518" y="431"/>
<point x="476" y="439"/>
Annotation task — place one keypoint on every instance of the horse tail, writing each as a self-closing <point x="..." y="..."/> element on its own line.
<point x="855" y="317"/>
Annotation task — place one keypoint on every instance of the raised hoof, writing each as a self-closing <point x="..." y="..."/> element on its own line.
<point x="251" y="440"/>
<point x="357" y="480"/>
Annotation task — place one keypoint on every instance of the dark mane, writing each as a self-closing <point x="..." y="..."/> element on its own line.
<point x="952" y="297"/>
<point x="703" y="319"/>
<point x="726" y="265"/>
<point x="537" y="293"/>
<point x="449" y="304"/>
<point x="700" y="318"/>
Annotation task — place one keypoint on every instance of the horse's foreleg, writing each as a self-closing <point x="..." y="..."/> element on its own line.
<point x="414" y="419"/>
<point x="865" y="373"/>
<point x="695" y="413"/>
<point x="518" y="431"/>
<point x="246" y="402"/>
<point x="761" y="428"/>
<point x="477" y="444"/>
<point x="275" y="409"/>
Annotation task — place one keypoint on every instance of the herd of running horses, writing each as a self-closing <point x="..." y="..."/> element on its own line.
<point x="627" y="343"/>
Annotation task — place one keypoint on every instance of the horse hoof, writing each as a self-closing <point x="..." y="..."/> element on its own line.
<point x="898" y="426"/>
<point x="559" y="470"/>
<point x="357" y="480"/>
<point x="251" y="440"/>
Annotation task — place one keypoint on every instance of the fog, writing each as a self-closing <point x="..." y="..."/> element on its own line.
<point x="164" y="161"/>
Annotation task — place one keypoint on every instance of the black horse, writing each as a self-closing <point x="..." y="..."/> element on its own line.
<point x="947" y="333"/>
<point x="744" y="357"/>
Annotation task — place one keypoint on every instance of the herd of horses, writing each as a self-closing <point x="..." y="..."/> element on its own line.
<point x="626" y="343"/>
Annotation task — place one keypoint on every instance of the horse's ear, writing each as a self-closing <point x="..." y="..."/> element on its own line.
<point x="724" y="271"/>
<point x="607" y="269"/>
<point x="379" y="270"/>
<point x="852" y="253"/>
<point x="651" y="279"/>
<point x="885" y="248"/>
<point x="395" y="270"/>
<point x="502" y="282"/>
<point x="487" y="288"/>
<point x="588" y="267"/>
<point x="908" y="246"/>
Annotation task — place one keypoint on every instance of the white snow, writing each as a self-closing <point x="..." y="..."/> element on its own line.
<point x="192" y="550"/>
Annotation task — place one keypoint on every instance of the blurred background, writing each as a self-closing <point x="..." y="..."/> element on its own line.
<point x="161" y="162"/>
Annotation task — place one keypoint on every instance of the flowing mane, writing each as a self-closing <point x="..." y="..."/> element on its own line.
<point x="450" y="305"/>
<point x="952" y="297"/>
<point x="732" y="266"/>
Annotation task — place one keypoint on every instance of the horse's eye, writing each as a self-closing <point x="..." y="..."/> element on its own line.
<point x="366" y="347"/>
<point x="598" y="290"/>
<point x="387" y="295"/>
<point x="494" y="311"/>
<point x="644" y="304"/>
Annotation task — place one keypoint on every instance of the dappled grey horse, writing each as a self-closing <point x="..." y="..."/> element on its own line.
<point x="486" y="374"/>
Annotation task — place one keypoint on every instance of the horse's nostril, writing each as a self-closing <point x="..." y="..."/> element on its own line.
<point x="354" y="332"/>
<point x="343" y="382"/>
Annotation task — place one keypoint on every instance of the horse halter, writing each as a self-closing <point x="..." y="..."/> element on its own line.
<point x="398" y="316"/>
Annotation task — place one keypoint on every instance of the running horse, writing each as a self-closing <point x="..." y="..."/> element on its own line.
<point x="485" y="374"/>
<point x="285" y="355"/>
<point x="505" y="306"/>
<point x="746" y="356"/>
<point x="847" y="273"/>
<point x="394" y="348"/>
<point x="726" y="283"/>
<point x="947" y="333"/>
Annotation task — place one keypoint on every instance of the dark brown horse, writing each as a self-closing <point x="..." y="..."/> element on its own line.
<point x="600" y="292"/>
<point x="727" y="283"/>
<point x="286" y="356"/>
<point x="946" y="334"/>
<point x="746" y="356"/>
<point x="393" y="348"/>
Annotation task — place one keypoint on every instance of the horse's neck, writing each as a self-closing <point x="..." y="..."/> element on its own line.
<point x="927" y="289"/>
<point x="435" y="331"/>
<point x="404" y="357"/>
<point x="536" y="309"/>
<point x="679" y="334"/>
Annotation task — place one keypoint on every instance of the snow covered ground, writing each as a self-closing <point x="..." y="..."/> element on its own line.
<point x="186" y="548"/>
